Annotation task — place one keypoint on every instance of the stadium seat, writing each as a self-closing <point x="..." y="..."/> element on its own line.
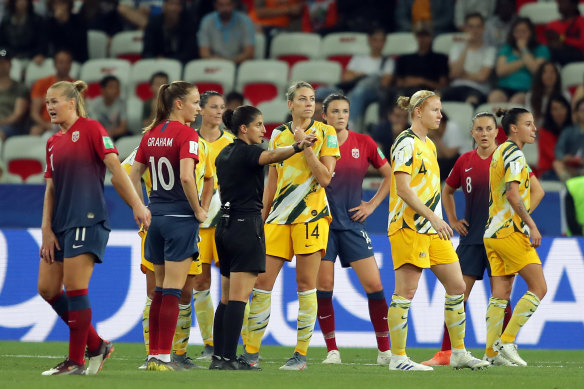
<point x="460" y="113"/>
<point x="96" y="44"/>
<point x="47" y="68"/>
<point x="134" y="110"/>
<point x="16" y="69"/>
<point x="260" y="46"/>
<point x="126" y="145"/>
<point x="94" y="70"/>
<point x="370" y="119"/>
<point x="24" y="158"/>
<point x="443" y="42"/>
<point x="274" y="113"/>
<point x="294" y="47"/>
<point x="572" y="76"/>
<point x="127" y="45"/>
<point x="317" y="73"/>
<point x="492" y="107"/>
<point x="399" y="43"/>
<point x="341" y="46"/>
<point x="262" y="80"/>
<point x="143" y="69"/>
<point x="531" y="152"/>
<point x="211" y="74"/>
<point x="540" y="13"/>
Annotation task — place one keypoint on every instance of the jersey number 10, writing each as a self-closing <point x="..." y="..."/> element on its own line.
<point x="158" y="177"/>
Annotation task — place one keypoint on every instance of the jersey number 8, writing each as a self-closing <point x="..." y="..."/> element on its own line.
<point x="468" y="185"/>
<point x="157" y="175"/>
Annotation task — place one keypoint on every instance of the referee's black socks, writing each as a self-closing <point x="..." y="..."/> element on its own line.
<point x="218" y="330"/>
<point x="232" y="323"/>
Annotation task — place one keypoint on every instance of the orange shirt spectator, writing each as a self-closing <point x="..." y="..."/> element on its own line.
<point x="319" y="15"/>
<point x="275" y="13"/>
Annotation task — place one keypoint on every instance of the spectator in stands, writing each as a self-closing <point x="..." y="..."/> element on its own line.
<point x="156" y="81"/>
<point x="102" y="15"/>
<point x="233" y="99"/>
<point x="578" y="94"/>
<point x="109" y="109"/>
<point x="13" y="100"/>
<point x="38" y="113"/>
<point x="385" y="132"/>
<point x="320" y="16"/>
<point x="438" y="13"/>
<point x="359" y="15"/>
<point x="547" y="81"/>
<point x="518" y="60"/>
<point x="366" y="76"/>
<point x="471" y="63"/>
<point x="565" y="37"/>
<point x="450" y="142"/>
<point x="498" y="26"/>
<point x="226" y="33"/>
<point x="136" y="12"/>
<point x="558" y="115"/>
<point x="485" y="8"/>
<point x="22" y="31"/>
<point x="276" y="15"/>
<point x="67" y="31"/>
<point x="170" y="34"/>
<point x="570" y="147"/>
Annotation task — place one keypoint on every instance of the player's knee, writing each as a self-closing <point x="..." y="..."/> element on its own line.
<point x="373" y="286"/>
<point x="202" y="281"/>
<point x="47" y="293"/>
<point x="305" y="284"/>
<point x="325" y="283"/>
<point x="540" y="291"/>
<point x="186" y="296"/>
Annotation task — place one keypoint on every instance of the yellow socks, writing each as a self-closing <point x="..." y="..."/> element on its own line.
<point x="244" y="326"/>
<point x="495" y="317"/>
<point x="307" y="307"/>
<point x="397" y="319"/>
<point x="205" y="314"/>
<point x="183" y="329"/>
<point x="522" y="312"/>
<point x="455" y="319"/>
<point x="259" y="316"/>
<point x="146" y="324"/>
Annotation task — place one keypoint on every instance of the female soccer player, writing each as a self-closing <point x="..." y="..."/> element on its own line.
<point x="240" y="232"/>
<point x="297" y="220"/>
<point x="75" y="226"/>
<point x="215" y="139"/>
<point x="419" y="237"/>
<point x="169" y="149"/>
<point x="347" y="237"/>
<point x="507" y="237"/>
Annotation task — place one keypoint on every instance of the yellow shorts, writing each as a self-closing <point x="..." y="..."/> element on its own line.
<point x="510" y="254"/>
<point x="285" y="240"/>
<point x="146" y="265"/>
<point x="207" y="246"/>
<point x="421" y="250"/>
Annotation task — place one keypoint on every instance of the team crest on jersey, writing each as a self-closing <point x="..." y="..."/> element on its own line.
<point x="355" y="153"/>
<point x="75" y="136"/>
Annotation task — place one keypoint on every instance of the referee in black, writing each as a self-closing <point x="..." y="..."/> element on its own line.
<point x="240" y="233"/>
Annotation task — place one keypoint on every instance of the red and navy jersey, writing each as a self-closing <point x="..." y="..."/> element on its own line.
<point x="471" y="172"/>
<point x="161" y="149"/>
<point x="75" y="163"/>
<point x="345" y="190"/>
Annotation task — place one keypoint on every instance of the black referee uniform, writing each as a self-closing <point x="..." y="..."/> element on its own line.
<point x="239" y="235"/>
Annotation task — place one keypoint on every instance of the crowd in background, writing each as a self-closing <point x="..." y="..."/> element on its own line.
<point x="502" y="59"/>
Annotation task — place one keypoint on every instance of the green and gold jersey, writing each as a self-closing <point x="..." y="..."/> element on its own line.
<point x="127" y="165"/>
<point x="299" y="197"/>
<point x="508" y="165"/>
<point x="212" y="150"/>
<point x="418" y="159"/>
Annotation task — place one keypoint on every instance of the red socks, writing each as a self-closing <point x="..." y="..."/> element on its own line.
<point x="378" y="314"/>
<point x="326" y="318"/>
<point x="79" y="322"/>
<point x="167" y="322"/>
<point x="153" y="321"/>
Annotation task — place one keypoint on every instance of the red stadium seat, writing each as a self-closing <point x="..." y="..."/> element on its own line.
<point x="25" y="167"/>
<point x="127" y="45"/>
<point x="294" y="47"/>
<point x="341" y="46"/>
<point x="143" y="70"/>
<point x="292" y="59"/>
<point x="209" y="86"/>
<point x="93" y="70"/>
<point x="259" y="92"/>
<point x="24" y="158"/>
<point x="211" y="74"/>
<point x="262" y="80"/>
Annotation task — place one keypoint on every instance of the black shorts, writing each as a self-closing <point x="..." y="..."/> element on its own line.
<point x="241" y="245"/>
<point x="473" y="260"/>
<point x="82" y="240"/>
<point x="171" y="238"/>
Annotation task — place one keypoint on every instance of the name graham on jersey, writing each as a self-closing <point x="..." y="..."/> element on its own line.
<point x="164" y="142"/>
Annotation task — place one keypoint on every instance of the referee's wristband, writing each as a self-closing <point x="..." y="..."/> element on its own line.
<point x="296" y="148"/>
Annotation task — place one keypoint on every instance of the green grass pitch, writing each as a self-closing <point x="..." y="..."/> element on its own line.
<point x="21" y="365"/>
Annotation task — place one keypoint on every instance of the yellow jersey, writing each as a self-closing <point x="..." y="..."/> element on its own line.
<point x="508" y="165"/>
<point x="212" y="150"/>
<point x="127" y="165"/>
<point x="299" y="198"/>
<point x="411" y="155"/>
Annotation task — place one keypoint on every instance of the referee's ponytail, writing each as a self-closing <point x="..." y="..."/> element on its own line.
<point x="243" y="115"/>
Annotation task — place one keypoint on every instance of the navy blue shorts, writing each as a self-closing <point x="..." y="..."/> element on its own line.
<point x="241" y="245"/>
<point x="171" y="238"/>
<point x="473" y="260"/>
<point x="348" y="245"/>
<point x="82" y="240"/>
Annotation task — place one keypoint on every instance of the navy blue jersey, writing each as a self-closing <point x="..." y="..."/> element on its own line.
<point x="75" y="164"/>
<point x="161" y="149"/>
<point x="345" y="191"/>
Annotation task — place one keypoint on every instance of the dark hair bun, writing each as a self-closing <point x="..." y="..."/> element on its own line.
<point x="227" y="119"/>
<point x="500" y="112"/>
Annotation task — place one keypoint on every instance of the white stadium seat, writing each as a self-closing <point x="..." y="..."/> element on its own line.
<point x="341" y="46"/>
<point x="127" y="45"/>
<point x="460" y="113"/>
<point x="16" y="69"/>
<point x="47" y="68"/>
<point x="24" y="159"/>
<point x="134" y="110"/>
<point x="211" y="74"/>
<point x="262" y="80"/>
<point x="96" y="44"/>
<point x="572" y="74"/>
<point x="94" y="70"/>
<point x="492" y="108"/>
<point x="318" y="72"/>
<point x="260" y="46"/>
<point x="126" y="145"/>
<point x="293" y="47"/>
<point x="443" y="42"/>
<point x="274" y="113"/>
<point x="540" y="12"/>
<point x="371" y="117"/>
<point x="399" y="43"/>
<point x="143" y="69"/>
